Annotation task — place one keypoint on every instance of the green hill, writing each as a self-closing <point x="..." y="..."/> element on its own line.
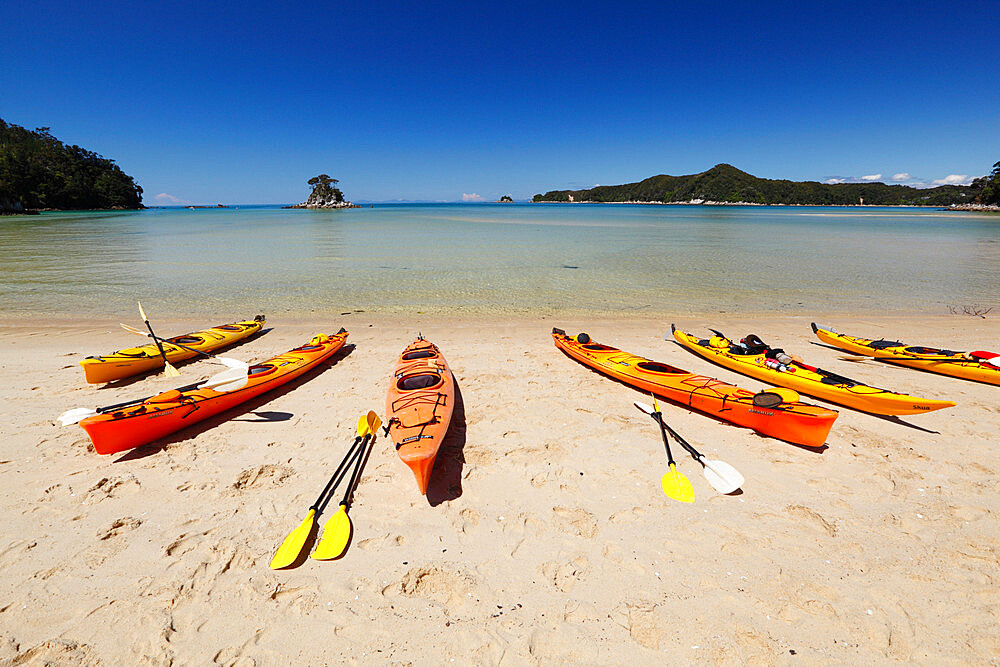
<point x="39" y="171"/>
<point x="726" y="183"/>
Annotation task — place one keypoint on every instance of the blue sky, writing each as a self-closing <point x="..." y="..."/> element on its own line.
<point x="244" y="102"/>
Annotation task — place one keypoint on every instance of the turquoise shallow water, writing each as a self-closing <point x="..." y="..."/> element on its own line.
<point x="498" y="259"/>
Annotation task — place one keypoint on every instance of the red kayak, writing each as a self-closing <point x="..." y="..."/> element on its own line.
<point x="163" y="414"/>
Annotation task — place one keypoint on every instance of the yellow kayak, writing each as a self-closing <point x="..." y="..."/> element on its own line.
<point x="135" y="360"/>
<point x="977" y="366"/>
<point x="754" y="358"/>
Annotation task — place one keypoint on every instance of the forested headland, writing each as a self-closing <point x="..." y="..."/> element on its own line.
<point x="724" y="183"/>
<point x="37" y="171"/>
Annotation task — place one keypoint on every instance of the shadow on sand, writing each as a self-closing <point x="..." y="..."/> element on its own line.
<point x="446" y="480"/>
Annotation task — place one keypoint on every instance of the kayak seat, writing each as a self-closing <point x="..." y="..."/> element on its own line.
<point x="229" y="327"/>
<point x="260" y="369"/>
<point x="597" y="347"/>
<point x="421" y="381"/>
<point x="419" y="354"/>
<point x="741" y="351"/>
<point x="883" y="344"/>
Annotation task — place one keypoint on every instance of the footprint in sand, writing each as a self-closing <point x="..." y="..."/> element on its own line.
<point x="262" y="476"/>
<point x="627" y="516"/>
<point x="647" y="623"/>
<point x="565" y="575"/>
<point x="433" y="583"/>
<point x="60" y="491"/>
<point x="479" y="456"/>
<point x="55" y="652"/>
<point x="575" y="521"/>
<point x="385" y="540"/>
<point x="110" y="487"/>
<point x="540" y="480"/>
<point x="812" y="518"/>
<point x="565" y="645"/>
<point x="468" y="519"/>
<point x="119" y="526"/>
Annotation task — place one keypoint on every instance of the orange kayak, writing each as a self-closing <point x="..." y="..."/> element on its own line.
<point x="135" y="360"/>
<point x="776" y="412"/>
<point x="418" y="406"/>
<point x="173" y="410"/>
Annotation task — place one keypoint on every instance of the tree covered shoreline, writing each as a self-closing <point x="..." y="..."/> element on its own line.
<point x="39" y="172"/>
<point x="725" y="184"/>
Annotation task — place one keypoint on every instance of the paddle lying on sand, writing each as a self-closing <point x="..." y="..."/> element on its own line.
<point x="227" y="361"/>
<point x="337" y="530"/>
<point x="723" y="477"/>
<point x="168" y="368"/>
<point x="978" y="357"/>
<point x="228" y="380"/>
<point x="674" y="484"/>
<point x="290" y="549"/>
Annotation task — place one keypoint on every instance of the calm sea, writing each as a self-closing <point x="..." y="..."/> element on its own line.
<point x="518" y="259"/>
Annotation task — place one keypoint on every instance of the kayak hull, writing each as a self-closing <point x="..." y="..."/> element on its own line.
<point x="809" y="381"/>
<point x="142" y="359"/>
<point x="953" y="364"/>
<point x="172" y="411"/>
<point x="794" y="422"/>
<point x="419" y="406"/>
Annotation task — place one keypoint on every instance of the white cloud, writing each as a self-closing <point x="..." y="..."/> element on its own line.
<point x="165" y="198"/>
<point x="470" y="196"/>
<point x="871" y="177"/>
<point x="901" y="176"/>
<point x="834" y="181"/>
<point x="953" y="179"/>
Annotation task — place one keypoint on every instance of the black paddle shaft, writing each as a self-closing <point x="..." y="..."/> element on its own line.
<point x="663" y="431"/>
<point x="176" y="344"/>
<point x="684" y="443"/>
<point x="357" y="470"/>
<point x="157" y="341"/>
<point x="125" y="404"/>
<point x="337" y="476"/>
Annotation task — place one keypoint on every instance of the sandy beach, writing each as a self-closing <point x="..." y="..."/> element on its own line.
<point x="544" y="536"/>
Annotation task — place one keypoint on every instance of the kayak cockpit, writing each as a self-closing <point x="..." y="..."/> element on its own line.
<point x="419" y="381"/>
<point x="657" y="367"/>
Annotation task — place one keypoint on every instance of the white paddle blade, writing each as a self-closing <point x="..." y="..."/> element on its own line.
<point x="233" y="363"/>
<point x="75" y="415"/>
<point x="132" y="329"/>
<point x="228" y="380"/>
<point x="723" y="477"/>
<point x="645" y="407"/>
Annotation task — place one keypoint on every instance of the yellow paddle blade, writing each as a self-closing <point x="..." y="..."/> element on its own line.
<point x="142" y="312"/>
<point x="170" y="371"/>
<point x="373" y="422"/>
<point x="335" y="535"/>
<point x="363" y="426"/>
<point x="677" y="486"/>
<point x="292" y="546"/>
